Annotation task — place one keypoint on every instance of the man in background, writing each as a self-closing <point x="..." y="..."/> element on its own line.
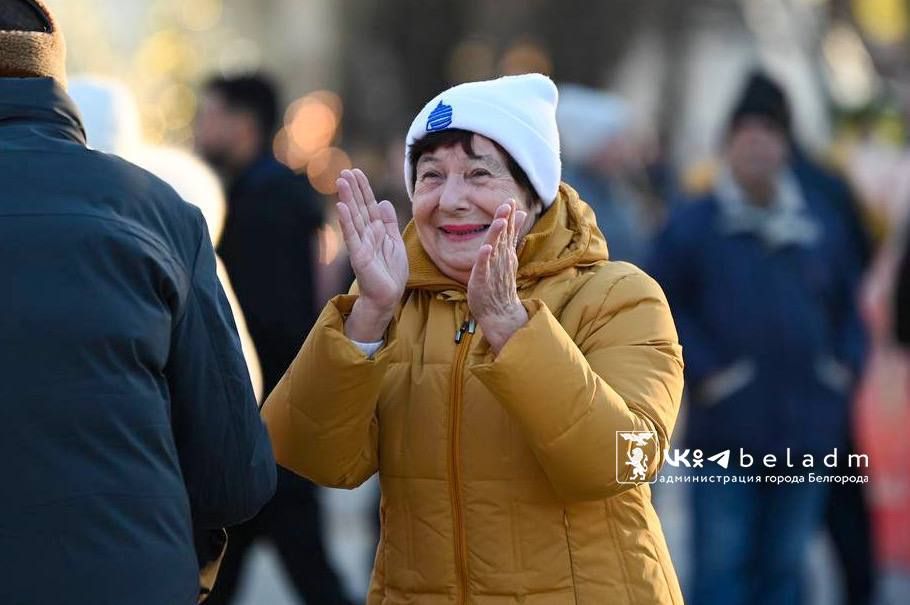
<point x="761" y="274"/>
<point x="129" y="432"/>
<point x="269" y="248"/>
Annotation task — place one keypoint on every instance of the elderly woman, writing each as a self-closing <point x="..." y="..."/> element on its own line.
<point x="485" y="365"/>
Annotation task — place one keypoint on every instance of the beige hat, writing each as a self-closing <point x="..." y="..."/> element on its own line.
<point x="32" y="53"/>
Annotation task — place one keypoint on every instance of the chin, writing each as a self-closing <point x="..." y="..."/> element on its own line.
<point x="456" y="268"/>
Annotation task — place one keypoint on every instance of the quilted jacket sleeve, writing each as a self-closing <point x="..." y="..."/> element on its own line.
<point x="322" y="415"/>
<point x="621" y="372"/>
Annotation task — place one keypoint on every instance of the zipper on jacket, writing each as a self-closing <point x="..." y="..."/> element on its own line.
<point x="463" y="339"/>
<point x="467" y="327"/>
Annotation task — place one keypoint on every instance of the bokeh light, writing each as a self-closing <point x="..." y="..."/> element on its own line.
<point x="851" y="73"/>
<point x="526" y="57"/>
<point x="471" y="60"/>
<point x="166" y="53"/>
<point x="324" y="167"/>
<point x="329" y="243"/>
<point x="311" y="124"/>
<point x="885" y="21"/>
<point x="200" y="15"/>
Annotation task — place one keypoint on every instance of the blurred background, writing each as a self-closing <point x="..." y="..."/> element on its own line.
<point x="352" y="74"/>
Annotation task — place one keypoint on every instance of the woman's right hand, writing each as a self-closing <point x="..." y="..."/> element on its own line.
<point x="377" y="254"/>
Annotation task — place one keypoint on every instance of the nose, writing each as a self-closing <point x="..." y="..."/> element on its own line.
<point x="454" y="197"/>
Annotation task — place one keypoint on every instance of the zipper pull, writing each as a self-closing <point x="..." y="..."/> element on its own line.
<point x="459" y="333"/>
<point x="469" y="327"/>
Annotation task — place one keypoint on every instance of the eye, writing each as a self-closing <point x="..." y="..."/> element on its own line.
<point x="479" y="173"/>
<point x="429" y="175"/>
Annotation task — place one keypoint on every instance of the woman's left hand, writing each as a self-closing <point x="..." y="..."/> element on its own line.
<point x="492" y="291"/>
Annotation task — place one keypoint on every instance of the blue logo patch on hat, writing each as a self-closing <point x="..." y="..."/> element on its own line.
<point x="440" y="118"/>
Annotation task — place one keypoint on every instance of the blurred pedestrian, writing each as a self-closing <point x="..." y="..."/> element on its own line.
<point x="602" y="160"/>
<point x="121" y="373"/>
<point x="483" y="366"/>
<point x="761" y="276"/>
<point x="269" y="247"/>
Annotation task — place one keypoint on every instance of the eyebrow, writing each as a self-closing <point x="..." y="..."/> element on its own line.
<point x="490" y="162"/>
<point x="427" y="159"/>
<point x="487" y="160"/>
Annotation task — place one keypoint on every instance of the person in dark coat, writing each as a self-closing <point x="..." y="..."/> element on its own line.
<point x="761" y="276"/>
<point x="129" y="433"/>
<point x="269" y="248"/>
<point x="270" y="243"/>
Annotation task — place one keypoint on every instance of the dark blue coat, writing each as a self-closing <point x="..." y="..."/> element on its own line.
<point x="785" y="312"/>
<point x="127" y="419"/>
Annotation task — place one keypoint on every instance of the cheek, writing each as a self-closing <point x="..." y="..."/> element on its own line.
<point x="486" y="199"/>
<point x="422" y="210"/>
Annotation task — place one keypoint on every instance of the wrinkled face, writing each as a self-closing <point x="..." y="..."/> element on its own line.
<point x="223" y="136"/>
<point x="455" y="199"/>
<point x="756" y="151"/>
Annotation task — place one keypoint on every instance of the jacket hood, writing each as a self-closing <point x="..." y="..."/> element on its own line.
<point x="31" y="101"/>
<point x="565" y="236"/>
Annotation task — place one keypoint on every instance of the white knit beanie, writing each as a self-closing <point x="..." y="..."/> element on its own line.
<point x="517" y="112"/>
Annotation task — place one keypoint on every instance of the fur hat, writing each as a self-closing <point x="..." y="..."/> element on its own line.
<point x="36" y="53"/>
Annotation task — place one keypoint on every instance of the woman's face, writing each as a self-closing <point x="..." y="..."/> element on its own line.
<point x="455" y="198"/>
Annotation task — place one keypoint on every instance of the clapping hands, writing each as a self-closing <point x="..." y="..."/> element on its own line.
<point x="377" y="252"/>
<point x="492" y="289"/>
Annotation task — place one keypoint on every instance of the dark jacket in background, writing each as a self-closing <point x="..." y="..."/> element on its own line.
<point x="835" y="189"/>
<point x="127" y="419"/>
<point x="787" y="312"/>
<point x="268" y="247"/>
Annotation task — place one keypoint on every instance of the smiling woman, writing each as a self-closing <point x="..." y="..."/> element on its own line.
<point x="459" y="181"/>
<point x="483" y="365"/>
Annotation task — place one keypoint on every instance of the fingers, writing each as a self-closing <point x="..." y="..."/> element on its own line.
<point x="357" y="203"/>
<point x="480" y="274"/>
<point x="520" y="219"/>
<point x="389" y="218"/>
<point x="349" y="232"/>
<point x="496" y="227"/>
<point x="505" y="238"/>
<point x="347" y="197"/>
<point x="510" y="235"/>
<point x="369" y="199"/>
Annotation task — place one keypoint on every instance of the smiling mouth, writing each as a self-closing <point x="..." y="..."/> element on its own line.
<point x="463" y="229"/>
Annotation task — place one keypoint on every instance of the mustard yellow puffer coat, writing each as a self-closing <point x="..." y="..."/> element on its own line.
<point x="499" y="476"/>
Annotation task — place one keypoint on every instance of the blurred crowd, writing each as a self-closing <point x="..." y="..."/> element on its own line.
<point x="779" y="265"/>
<point x="780" y="261"/>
